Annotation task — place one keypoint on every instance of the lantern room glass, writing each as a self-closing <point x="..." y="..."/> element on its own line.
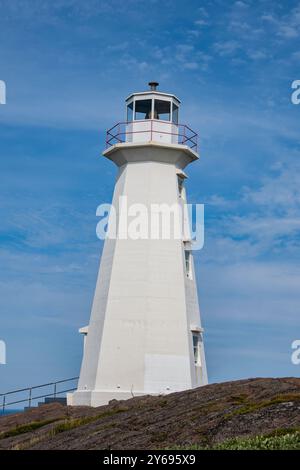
<point x="162" y="110"/>
<point x="157" y="109"/>
<point x="175" y="114"/>
<point x="143" y="110"/>
<point x="130" y="112"/>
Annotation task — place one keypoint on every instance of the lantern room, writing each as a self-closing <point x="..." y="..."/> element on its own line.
<point x="152" y="116"/>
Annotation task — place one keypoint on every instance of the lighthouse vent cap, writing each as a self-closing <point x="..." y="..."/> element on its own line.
<point x="153" y="85"/>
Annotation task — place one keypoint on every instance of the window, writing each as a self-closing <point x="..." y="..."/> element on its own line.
<point x="143" y="109"/>
<point x="188" y="266"/>
<point x="174" y="114"/>
<point x="130" y="112"/>
<point x="180" y="185"/>
<point x="196" y="347"/>
<point x="162" y="110"/>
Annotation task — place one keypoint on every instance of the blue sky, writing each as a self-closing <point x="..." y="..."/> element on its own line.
<point x="68" y="66"/>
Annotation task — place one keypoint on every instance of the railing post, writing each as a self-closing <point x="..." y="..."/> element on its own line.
<point x="3" y="404"/>
<point x="29" y="398"/>
<point x="184" y="134"/>
<point x="55" y="390"/>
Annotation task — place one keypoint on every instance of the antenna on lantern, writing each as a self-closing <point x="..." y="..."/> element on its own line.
<point x="153" y="85"/>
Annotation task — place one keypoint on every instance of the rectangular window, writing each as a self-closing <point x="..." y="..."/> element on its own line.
<point x="180" y="185"/>
<point x="196" y="348"/>
<point x="162" y="110"/>
<point x="130" y="112"/>
<point x="175" y="114"/>
<point x="188" y="266"/>
<point x="143" y="109"/>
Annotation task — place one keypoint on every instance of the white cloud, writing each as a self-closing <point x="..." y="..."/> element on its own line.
<point x="241" y="4"/>
<point x="257" y="55"/>
<point x="269" y="18"/>
<point x="280" y="191"/>
<point x="220" y="201"/>
<point x="259" y="292"/>
<point x="296" y="56"/>
<point x="227" y="47"/>
<point x="286" y="26"/>
<point x="258" y="222"/>
<point x="191" y="65"/>
<point x="201" y="22"/>
<point x="288" y="31"/>
<point x="118" y="46"/>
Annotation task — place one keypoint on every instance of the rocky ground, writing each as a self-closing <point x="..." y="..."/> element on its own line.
<point x="205" y="416"/>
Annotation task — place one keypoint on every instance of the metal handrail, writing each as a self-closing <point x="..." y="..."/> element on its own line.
<point x="117" y="133"/>
<point x="31" y="398"/>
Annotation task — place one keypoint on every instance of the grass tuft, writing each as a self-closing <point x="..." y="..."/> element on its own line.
<point x="250" y="407"/>
<point x="70" y="424"/>
<point x="280" y="439"/>
<point x="25" y="428"/>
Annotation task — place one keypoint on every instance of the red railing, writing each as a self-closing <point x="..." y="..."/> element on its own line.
<point x="125" y="131"/>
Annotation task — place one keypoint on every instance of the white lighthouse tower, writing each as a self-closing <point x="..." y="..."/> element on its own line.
<point x="145" y="334"/>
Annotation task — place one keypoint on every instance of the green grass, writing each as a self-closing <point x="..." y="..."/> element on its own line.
<point x="70" y="424"/>
<point x="250" y="407"/>
<point x="24" y="428"/>
<point x="289" y="441"/>
<point x="280" y="439"/>
<point x="65" y="425"/>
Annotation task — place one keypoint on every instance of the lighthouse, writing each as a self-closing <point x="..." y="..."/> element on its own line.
<point x="145" y="335"/>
